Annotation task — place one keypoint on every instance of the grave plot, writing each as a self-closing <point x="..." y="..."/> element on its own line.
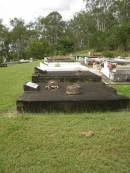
<point x="3" y="65"/>
<point x="63" y="72"/>
<point x="63" y="76"/>
<point x="66" y="87"/>
<point x="67" y="97"/>
<point x="58" y="59"/>
<point x="113" y="73"/>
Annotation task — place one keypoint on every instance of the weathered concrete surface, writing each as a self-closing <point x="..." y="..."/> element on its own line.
<point x="93" y="97"/>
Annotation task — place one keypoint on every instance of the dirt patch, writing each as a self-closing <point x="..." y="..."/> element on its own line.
<point x="11" y="114"/>
<point x="115" y="152"/>
<point x="88" y="134"/>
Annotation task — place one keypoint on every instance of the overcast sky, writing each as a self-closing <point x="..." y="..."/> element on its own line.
<point x="30" y="9"/>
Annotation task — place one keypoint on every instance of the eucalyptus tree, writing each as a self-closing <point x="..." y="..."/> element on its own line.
<point x="19" y="38"/>
<point x="122" y="10"/>
<point x="3" y="42"/>
<point x="102" y="11"/>
<point x="82" y="27"/>
<point x="52" y="28"/>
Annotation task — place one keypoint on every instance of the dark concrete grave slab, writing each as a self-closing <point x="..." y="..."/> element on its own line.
<point x="60" y="59"/>
<point x="42" y="76"/>
<point x="93" y="97"/>
<point x="3" y="65"/>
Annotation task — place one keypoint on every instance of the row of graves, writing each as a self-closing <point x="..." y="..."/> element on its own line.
<point x="112" y="69"/>
<point x="117" y="71"/>
<point x="61" y="85"/>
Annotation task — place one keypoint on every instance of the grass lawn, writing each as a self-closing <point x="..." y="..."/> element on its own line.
<point x="11" y="83"/>
<point x="123" y="89"/>
<point x="54" y="143"/>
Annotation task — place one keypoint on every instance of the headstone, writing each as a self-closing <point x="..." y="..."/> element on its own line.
<point x="30" y="86"/>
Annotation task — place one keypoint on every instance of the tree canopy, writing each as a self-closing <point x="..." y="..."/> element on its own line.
<point x="104" y="25"/>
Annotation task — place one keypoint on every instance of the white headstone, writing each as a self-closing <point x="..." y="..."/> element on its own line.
<point x="32" y="85"/>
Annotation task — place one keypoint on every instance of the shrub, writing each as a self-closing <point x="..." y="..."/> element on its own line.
<point x="108" y="54"/>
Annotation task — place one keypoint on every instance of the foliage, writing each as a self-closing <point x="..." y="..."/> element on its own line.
<point x="52" y="28"/>
<point x="108" y="54"/>
<point x="65" y="45"/>
<point x="38" y="49"/>
<point x="103" y="26"/>
<point x="18" y="37"/>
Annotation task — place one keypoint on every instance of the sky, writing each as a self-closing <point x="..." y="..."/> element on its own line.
<point x="29" y="10"/>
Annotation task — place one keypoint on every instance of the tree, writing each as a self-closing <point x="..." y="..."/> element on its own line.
<point x="65" y="45"/>
<point x="122" y="10"/>
<point x="52" y="28"/>
<point x="38" y="49"/>
<point x="19" y="38"/>
<point x="102" y="10"/>
<point x="104" y="25"/>
<point x="3" y="37"/>
<point x="122" y="36"/>
<point x="81" y="29"/>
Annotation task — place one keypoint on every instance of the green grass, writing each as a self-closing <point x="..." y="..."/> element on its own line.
<point x="53" y="143"/>
<point x="11" y="83"/>
<point x="123" y="90"/>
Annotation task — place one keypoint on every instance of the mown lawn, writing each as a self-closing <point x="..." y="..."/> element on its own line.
<point x="123" y="89"/>
<point x="54" y="143"/>
<point x="11" y="83"/>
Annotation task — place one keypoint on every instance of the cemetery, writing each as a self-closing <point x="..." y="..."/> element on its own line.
<point x="68" y="87"/>
<point x="115" y="70"/>
<point x="65" y="86"/>
<point x="63" y="71"/>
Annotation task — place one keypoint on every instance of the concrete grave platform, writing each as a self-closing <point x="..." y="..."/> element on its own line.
<point x="93" y="97"/>
<point x="74" y="76"/>
<point x="58" y="59"/>
<point x="3" y="65"/>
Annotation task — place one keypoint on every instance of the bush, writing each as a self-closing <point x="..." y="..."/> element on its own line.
<point x="38" y="49"/>
<point x="65" y="45"/>
<point x="108" y="54"/>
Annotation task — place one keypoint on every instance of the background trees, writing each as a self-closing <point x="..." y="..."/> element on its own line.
<point x="104" y="25"/>
<point x="3" y="41"/>
<point x="52" y="29"/>
<point x="38" y="49"/>
<point x="112" y="23"/>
